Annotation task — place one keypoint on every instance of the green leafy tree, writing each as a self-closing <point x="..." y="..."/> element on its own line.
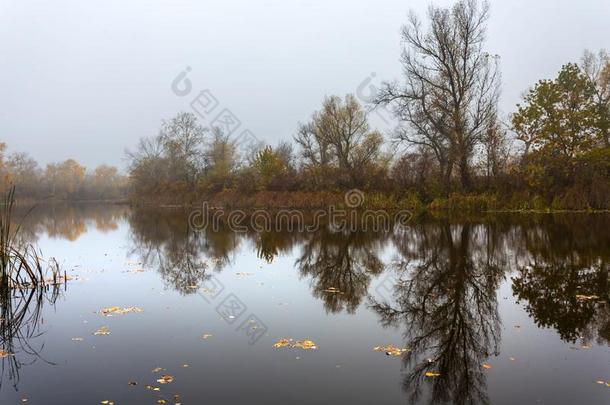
<point x="269" y="166"/>
<point x="559" y="117"/>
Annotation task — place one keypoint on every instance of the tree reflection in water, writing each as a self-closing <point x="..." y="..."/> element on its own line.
<point x="564" y="278"/>
<point x="340" y="266"/>
<point x="448" y="274"/>
<point x="183" y="257"/>
<point x="446" y="301"/>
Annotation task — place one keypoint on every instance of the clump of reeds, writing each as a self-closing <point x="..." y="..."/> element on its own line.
<point x="26" y="283"/>
<point x="21" y="265"/>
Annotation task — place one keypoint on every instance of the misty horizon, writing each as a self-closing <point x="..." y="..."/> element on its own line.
<point x="87" y="80"/>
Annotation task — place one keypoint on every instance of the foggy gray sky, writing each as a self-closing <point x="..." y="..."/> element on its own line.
<point x="85" y="79"/>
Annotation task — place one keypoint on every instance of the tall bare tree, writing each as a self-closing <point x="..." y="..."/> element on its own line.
<point x="449" y="97"/>
<point x="182" y="138"/>
<point x="597" y="68"/>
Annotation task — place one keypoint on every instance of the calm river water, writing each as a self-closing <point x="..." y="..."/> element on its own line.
<point x="510" y="309"/>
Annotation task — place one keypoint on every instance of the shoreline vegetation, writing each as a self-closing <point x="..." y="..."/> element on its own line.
<point x="452" y="148"/>
<point x="21" y="265"/>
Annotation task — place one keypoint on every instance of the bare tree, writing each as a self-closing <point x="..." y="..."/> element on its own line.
<point x="450" y="95"/>
<point x="340" y="135"/>
<point x="597" y="68"/>
<point x="314" y="148"/>
<point x="182" y="138"/>
<point x="496" y="151"/>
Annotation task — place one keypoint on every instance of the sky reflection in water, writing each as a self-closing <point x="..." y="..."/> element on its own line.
<point x="500" y="291"/>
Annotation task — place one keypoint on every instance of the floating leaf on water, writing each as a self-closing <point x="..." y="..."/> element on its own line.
<point x="305" y="345"/>
<point x="586" y="347"/>
<point x="432" y="374"/>
<point x="206" y="336"/>
<point x="133" y="383"/>
<point x="300" y="344"/>
<point x="156" y="370"/>
<point x="119" y="311"/>
<point x="153" y="388"/>
<point x="390" y="350"/>
<point x="185" y="365"/>
<point x="581" y="297"/>
<point x="103" y="331"/>
<point x="333" y="290"/>
<point x="77" y="339"/>
<point x="166" y="379"/>
<point x="511" y="358"/>
<point x="161" y="401"/>
<point x="4" y="353"/>
<point x="107" y="402"/>
<point x="486" y="366"/>
<point x="283" y="342"/>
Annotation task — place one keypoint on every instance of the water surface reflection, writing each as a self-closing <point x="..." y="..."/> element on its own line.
<point x="443" y="288"/>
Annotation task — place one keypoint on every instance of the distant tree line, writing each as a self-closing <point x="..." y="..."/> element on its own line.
<point x="65" y="181"/>
<point x="452" y="146"/>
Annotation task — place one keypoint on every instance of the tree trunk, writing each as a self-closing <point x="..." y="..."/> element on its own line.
<point x="446" y="171"/>
<point x="465" y="178"/>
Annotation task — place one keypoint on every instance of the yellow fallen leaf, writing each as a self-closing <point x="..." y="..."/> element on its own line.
<point x="432" y="374"/>
<point x="156" y="370"/>
<point x="486" y="366"/>
<point x="165" y="379"/>
<point x="103" y="331"/>
<point x="390" y="350"/>
<point x="4" y="353"/>
<point x="305" y="345"/>
<point x="581" y="297"/>
<point x="119" y="311"/>
<point x="283" y="342"/>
